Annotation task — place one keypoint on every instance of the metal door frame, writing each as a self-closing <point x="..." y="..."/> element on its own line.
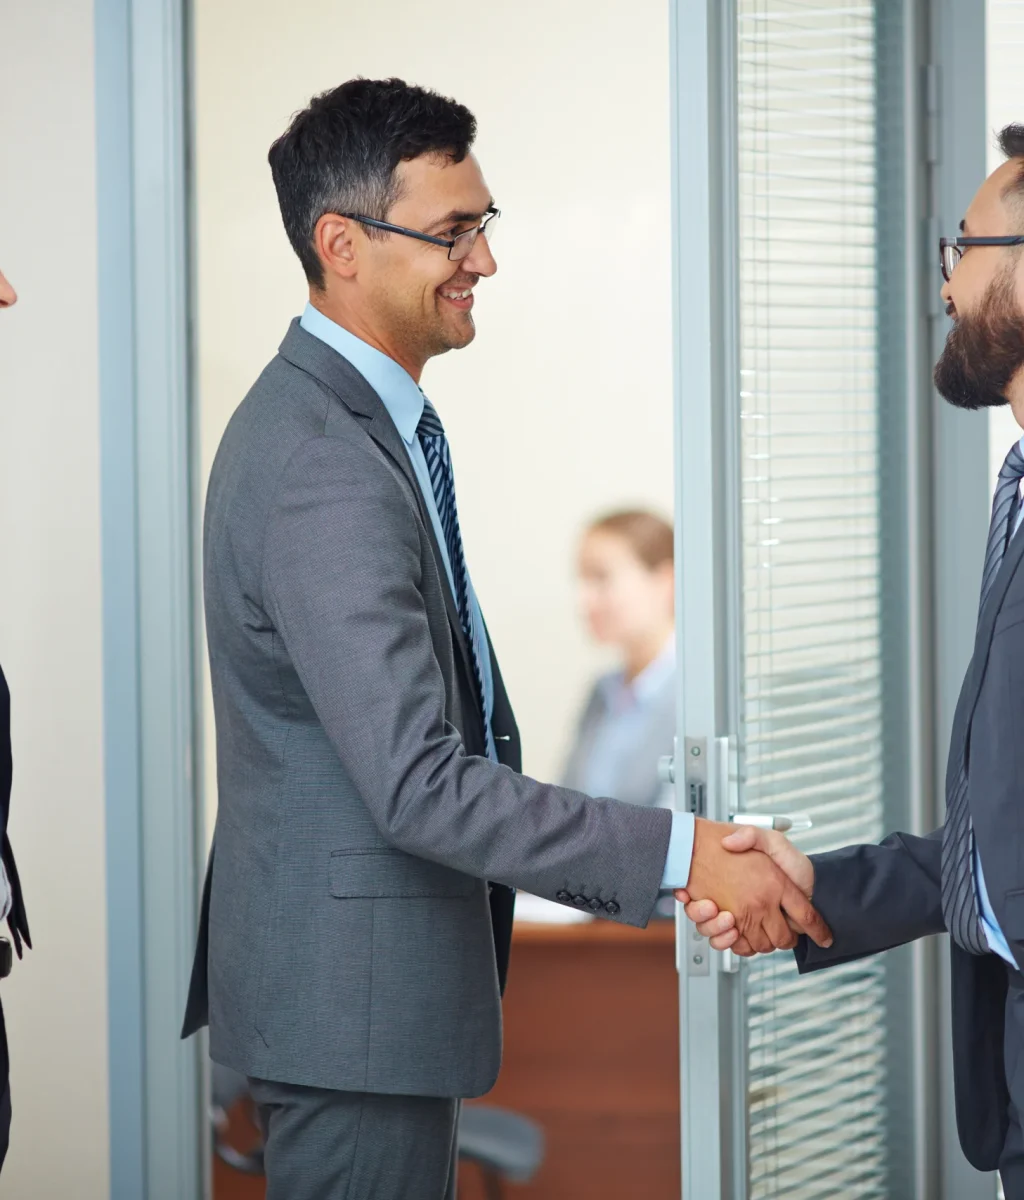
<point x="158" y="1130"/>
<point x="961" y="490"/>
<point x="704" y="346"/>
<point x="706" y="360"/>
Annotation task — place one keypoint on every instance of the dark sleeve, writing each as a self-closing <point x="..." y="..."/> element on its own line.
<point x="17" y="920"/>
<point x="5" y="753"/>
<point x="875" y="897"/>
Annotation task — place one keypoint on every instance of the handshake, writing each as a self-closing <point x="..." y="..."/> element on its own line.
<point x="750" y="890"/>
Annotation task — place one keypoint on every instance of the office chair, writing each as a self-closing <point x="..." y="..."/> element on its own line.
<point x="227" y="1087"/>
<point x="504" y="1145"/>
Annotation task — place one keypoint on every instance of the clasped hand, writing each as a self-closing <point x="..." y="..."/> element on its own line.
<point x="750" y="890"/>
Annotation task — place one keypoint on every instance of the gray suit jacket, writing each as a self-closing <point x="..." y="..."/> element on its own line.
<point x="876" y="897"/>
<point x="347" y="938"/>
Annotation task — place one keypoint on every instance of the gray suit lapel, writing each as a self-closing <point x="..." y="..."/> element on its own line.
<point x="336" y="373"/>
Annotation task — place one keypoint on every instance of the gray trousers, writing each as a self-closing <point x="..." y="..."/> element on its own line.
<point x="326" y="1145"/>
<point x="1011" y="1161"/>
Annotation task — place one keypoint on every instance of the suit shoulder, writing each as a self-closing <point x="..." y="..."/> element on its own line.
<point x="284" y="403"/>
<point x="283" y="410"/>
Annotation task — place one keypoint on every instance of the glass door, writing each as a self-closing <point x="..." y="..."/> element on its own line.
<point x="793" y="423"/>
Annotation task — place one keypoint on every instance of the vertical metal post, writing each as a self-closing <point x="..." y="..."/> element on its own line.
<point x="156" y="1102"/>
<point x="700" y="304"/>
<point x="961" y="485"/>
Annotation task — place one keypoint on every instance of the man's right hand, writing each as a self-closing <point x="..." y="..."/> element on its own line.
<point x="758" y="894"/>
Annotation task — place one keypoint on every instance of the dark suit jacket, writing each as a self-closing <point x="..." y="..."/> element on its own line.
<point x="877" y="897"/>
<point x="16" y="920"/>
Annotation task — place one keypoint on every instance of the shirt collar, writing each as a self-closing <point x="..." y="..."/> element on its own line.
<point x="399" y="392"/>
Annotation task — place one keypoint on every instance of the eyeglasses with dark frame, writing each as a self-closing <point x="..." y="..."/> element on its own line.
<point x="459" y="246"/>
<point x="951" y="250"/>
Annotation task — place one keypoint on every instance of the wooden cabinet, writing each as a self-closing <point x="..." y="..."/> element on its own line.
<point x="592" y="1054"/>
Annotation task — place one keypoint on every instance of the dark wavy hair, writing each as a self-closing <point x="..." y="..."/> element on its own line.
<point x="339" y="154"/>
<point x="1011" y="142"/>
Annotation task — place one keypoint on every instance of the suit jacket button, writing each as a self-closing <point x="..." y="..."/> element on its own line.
<point x="612" y="909"/>
<point x="595" y="905"/>
<point x="563" y="896"/>
<point x="580" y="901"/>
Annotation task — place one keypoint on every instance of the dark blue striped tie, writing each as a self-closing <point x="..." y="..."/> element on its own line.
<point x="442" y="479"/>
<point x="959" y="897"/>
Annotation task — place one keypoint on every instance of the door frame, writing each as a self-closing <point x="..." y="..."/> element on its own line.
<point x="944" y="137"/>
<point x="961" y="490"/>
<point x="157" y="1126"/>
<point x="704" y="233"/>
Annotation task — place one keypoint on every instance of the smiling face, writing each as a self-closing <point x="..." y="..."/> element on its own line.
<point x="399" y="293"/>
<point x="982" y="364"/>
<point x="8" y="296"/>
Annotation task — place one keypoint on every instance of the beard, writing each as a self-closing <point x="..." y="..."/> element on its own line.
<point x="984" y="350"/>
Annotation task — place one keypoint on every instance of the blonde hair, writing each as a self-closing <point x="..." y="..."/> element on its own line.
<point x="649" y="536"/>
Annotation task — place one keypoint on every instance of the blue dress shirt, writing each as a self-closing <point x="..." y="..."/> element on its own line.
<point x="401" y="396"/>
<point x="997" y="942"/>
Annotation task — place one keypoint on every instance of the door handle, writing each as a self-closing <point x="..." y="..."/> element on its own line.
<point x="783" y="822"/>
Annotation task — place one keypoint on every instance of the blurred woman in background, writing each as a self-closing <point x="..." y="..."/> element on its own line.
<point x="627" y="589"/>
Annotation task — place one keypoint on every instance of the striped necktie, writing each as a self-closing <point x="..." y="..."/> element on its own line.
<point x="959" y="897"/>
<point x="442" y="480"/>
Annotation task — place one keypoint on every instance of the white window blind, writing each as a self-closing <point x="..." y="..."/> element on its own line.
<point x="812" y="735"/>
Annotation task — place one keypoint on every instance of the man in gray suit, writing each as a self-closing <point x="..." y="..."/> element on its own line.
<point x="351" y="951"/>
<point x="966" y="877"/>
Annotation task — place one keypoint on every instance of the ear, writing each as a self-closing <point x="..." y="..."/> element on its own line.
<point x="337" y="242"/>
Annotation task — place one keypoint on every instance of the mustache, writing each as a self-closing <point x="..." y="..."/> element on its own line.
<point x="463" y="281"/>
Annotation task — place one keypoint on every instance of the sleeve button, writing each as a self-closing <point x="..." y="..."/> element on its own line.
<point x="563" y="896"/>
<point x="595" y="905"/>
<point x="612" y="909"/>
<point x="580" y="901"/>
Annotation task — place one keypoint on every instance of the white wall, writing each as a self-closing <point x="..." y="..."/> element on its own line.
<point x="1004" y="35"/>
<point x="562" y="406"/>
<point x="50" y="634"/>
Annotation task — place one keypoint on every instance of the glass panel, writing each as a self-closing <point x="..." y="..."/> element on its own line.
<point x="812" y="728"/>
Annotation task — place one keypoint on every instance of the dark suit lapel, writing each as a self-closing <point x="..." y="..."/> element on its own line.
<point x="336" y="373"/>
<point x="986" y="627"/>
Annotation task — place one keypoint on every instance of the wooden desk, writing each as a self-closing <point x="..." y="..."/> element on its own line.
<point x="592" y="1054"/>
